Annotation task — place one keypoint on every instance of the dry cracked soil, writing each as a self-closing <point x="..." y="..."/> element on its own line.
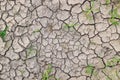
<point x="80" y="39"/>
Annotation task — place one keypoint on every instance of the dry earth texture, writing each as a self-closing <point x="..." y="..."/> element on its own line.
<point x="59" y="39"/>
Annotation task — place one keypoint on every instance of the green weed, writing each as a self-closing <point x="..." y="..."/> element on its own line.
<point x="88" y="13"/>
<point x="30" y="52"/>
<point x="114" y="14"/>
<point x="47" y="72"/>
<point x="70" y="25"/>
<point x="35" y="31"/>
<point x="114" y="61"/>
<point x="89" y="10"/>
<point x="108" y="78"/>
<point x="22" y="71"/>
<point x="3" y="33"/>
<point x="89" y="69"/>
<point x="107" y="2"/>
<point x="114" y="21"/>
<point x="95" y="72"/>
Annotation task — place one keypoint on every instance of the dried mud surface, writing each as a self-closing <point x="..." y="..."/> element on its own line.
<point x="79" y="45"/>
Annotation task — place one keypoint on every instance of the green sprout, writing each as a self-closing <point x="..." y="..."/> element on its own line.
<point x="89" y="69"/>
<point x="107" y="78"/>
<point x="70" y="25"/>
<point x="95" y="72"/>
<point x="30" y="52"/>
<point x="3" y="33"/>
<point x="22" y="71"/>
<point x="88" y="10"/>
<point x="108" y="2"/>
<point x="88" y="13"/>
<point x="114" y="61"/>
<point x="114" y="14"/>
<point x="46" y="74"/>
<point x="111" y="73"/>
<point x="35" y="31"/>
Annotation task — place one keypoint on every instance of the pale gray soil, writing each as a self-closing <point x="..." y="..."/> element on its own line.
<point x="38" y="35"/>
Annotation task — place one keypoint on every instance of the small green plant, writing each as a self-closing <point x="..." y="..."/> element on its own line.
<point x="114" y="61"/>
<point x="47" y="72"/>
<point x="114" y="15"/>
<point x="111" y="73"/>
<point x="88" y="13"/>
<point x="107" y="2"/>
<point x="95" y="72"/>
<point x="35" y="31"/>
<point x="114" y="21"/>
<point x="89" y="69"/>
<point x="70" y="25"/>
<point x="22" y="72"/>
<point x="30" y="52"/>
<point x="3" y="33"/>
<point x="108" y="78"/>
<point x="89" y="10"/>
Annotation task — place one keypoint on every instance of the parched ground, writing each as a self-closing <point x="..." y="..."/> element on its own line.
<point x="78" y="38"/>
